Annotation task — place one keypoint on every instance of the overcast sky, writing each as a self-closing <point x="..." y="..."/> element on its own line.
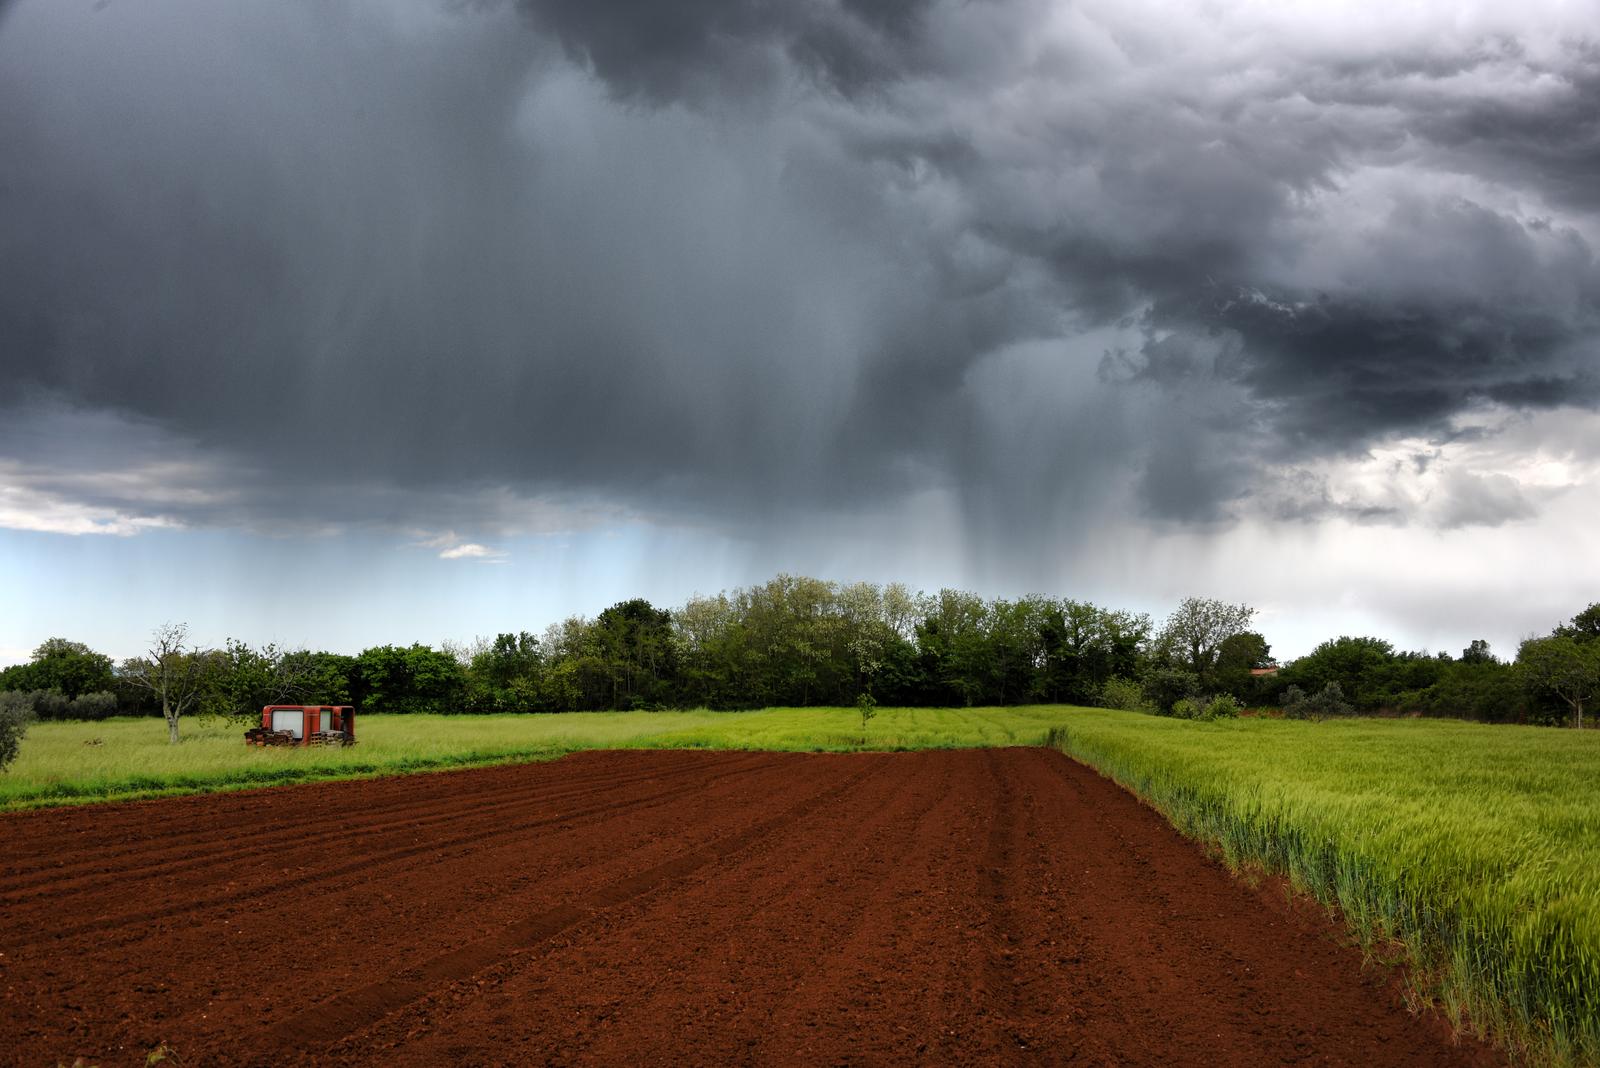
<point x="342" y="322"/>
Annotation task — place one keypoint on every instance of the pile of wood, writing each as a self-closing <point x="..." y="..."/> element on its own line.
<point x="328" y="738"/>
<point x="263" y="736"/>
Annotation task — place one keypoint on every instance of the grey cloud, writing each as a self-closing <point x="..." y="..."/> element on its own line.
<point x="692" y="49"/>
<point x="1495" y="111"/>
<point x="1481" y="500"/>
<point x="469" y="255"/>
<point x="1456" y="306"/>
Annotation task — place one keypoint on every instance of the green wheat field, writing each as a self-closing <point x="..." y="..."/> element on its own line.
<point x="1475" y="847"/>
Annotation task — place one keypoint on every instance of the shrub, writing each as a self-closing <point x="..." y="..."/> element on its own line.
<point x="16" y="712"/>
<point x="93" y="706"/>
<point x="1125" y="694"/>
<point x="1188" y="708"/>
<point x="1165" y="687"/>
<point x="53" y="704"/>
<point x="1222" y="706"/>
<point x="867" y="705"/>
<point x="1328" y="701"/>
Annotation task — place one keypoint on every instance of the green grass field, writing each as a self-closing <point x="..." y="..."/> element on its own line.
<point x="1477" y="847"/>
<point x="61" y="764"/>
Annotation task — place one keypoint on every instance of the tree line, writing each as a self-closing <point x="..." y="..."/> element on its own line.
<point x="802" y="641"/>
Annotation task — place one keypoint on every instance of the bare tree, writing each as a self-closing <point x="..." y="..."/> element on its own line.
<point x="173" y="670"/>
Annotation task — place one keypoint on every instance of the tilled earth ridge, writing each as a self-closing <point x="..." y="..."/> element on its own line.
<point x="981" y="906"/>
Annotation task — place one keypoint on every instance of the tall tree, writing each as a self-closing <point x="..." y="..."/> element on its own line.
<point x="503" y="675"/>
<point x="1237" y="656"/>
<point x="635" y="642"/>
<point x="1193" y="634"/>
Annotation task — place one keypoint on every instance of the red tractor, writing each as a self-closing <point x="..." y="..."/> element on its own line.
<point x="304" y="725"/>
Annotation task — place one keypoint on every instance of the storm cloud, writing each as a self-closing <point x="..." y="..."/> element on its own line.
<point x="505" y="267"/>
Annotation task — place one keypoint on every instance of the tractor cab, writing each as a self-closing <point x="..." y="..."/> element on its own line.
<point x="304" y="725"/>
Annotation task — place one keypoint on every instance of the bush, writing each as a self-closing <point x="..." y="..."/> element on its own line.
<point x="1221" y="706"/>
<point x="1328" y="701"/>
<point x="1124" y="694"/>
<point x="53" y="704"/>
<point x="867" y="705"/>
<point x="1165" y="687"/>
<point x="16" y="712"/>
<point x="93" y="706"/>
<point x="50" y="704"/>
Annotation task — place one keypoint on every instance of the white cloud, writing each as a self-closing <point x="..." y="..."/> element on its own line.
<point x="26" y="505"/>
<point x="1495" y="466"/>
<point x="473" y="551"/>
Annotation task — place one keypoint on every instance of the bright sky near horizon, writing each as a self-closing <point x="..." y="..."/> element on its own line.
<point x="364" y="321"/>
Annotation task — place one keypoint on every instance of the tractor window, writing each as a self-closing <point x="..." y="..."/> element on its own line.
<point x="289" y="719"/>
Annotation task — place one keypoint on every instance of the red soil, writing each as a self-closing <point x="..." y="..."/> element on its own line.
<point x="1000" y="906"/>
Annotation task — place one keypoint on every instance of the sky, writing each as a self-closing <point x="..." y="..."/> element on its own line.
<point x="344" y="322"/>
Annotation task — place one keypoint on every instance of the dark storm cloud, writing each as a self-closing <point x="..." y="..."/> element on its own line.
<point x="1539" y="129"/>
<point x="421" y="262"/>
<point x="665" y="51"/>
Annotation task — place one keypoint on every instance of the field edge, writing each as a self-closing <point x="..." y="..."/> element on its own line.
<point x="1433" y="982"/>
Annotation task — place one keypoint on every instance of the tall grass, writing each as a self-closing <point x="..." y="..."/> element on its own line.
<point x="1477" y="847"/>
<point x="122" y="759"/>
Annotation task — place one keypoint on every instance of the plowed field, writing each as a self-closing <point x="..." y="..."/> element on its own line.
<point x="994" y="906"/>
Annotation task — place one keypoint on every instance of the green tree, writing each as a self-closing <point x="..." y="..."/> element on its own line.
<point x="1193" y="635"/>
<point x="1475" y="688"/>
<point x="1165" y="686"/>
<point x="1237" y="656"/>
<point x="70" y="668"/>
<point x="503" y="676"/>
<point x="240" y="680"/>
<point x="1563" y="666"/>
<point x="1585" y="626"/>
<point x="16" y="713"/>
<point x="954" y="640"/>
<point x="712" y="643"/>
<point x="408" y="679"/>
<point x="868" y="707"/>
<point x="1015" y="648"/>
<point x="1358" y="665"/>
<point x="1084" y="646"/>
<point x="634" y="641"/>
